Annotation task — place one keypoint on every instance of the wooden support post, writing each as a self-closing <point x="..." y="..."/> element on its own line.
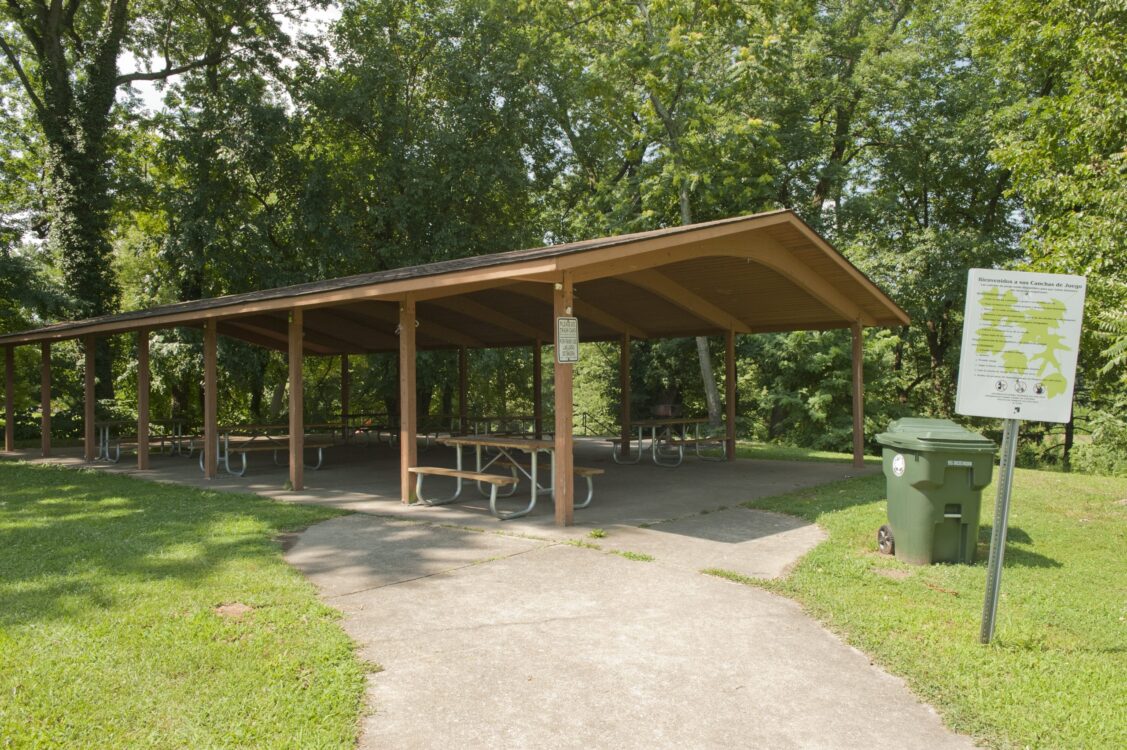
<point x="538" y="389"/>
<point x="463" y="390"/>
<point x="90" y="435"/>
<point x="144" y="382"/>
<point x="730" y="394"/>
<point x="9" y="398"/>
<point x="624" y="389"/>
<point x="45" y="400"/>
<point x="565" y="460"/>
<point x="297" y="402"/>
<point x="210" y="399"/>
<point x="408" y="434"/>
<point x="345" y="395"/>
<point x="858" y="398"/>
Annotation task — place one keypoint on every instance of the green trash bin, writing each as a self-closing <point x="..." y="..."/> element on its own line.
<point x="935" y="472"/>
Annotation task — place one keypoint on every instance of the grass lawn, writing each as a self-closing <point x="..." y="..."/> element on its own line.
<point x="1055" y="675"/>
<point x="135" y="614"/>
<point x="775" y="452"/>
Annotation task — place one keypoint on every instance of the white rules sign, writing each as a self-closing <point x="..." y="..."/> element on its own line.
<point x="567" y="340"/>
<point x="1021" y="335"/>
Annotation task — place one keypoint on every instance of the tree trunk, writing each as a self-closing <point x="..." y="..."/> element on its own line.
<point x="1069" y="438"/>
<point x="711" y="389"/>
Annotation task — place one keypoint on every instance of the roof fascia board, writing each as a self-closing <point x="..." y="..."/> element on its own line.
<point x="645" y="254"/>
<point x="853" y="271"/>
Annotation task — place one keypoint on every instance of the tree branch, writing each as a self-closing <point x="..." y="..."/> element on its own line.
<point x="168" y="72"/>
<point x="15" y="62"/>
<point x="28" y="29"/>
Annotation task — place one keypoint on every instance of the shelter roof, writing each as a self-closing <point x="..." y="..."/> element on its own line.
<point x="757" y="273"/>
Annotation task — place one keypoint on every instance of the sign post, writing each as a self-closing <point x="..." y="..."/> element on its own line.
<point x="1021" y="336"/>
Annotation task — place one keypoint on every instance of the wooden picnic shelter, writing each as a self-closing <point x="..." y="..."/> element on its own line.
<point x="749" y="274"/>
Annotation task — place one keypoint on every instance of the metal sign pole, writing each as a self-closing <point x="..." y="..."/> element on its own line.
<point x="998" y="533"/>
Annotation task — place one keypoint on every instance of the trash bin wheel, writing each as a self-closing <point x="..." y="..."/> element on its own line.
<point x="885" y="543"/>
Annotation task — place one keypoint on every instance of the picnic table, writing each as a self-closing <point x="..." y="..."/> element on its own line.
<point x="506" y="454"/>
<point x="668" y="439"/>
<point x="110" y="443"/>
<point x="241" y="440"/>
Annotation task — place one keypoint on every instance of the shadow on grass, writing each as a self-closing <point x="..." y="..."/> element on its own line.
<point x="74" y="541"/>
<point x="1017" y="552"/>
<point x="814" y="502"/>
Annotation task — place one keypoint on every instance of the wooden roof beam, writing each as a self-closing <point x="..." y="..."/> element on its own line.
<point x="778" y="259"/>
<point x="688" y="300"/>
<point x="427" y="328"/>
<point x="273" y="337"/>
<point x="472" y="309"/>
<point x="581" y="309"/>
<point x="345" y="327"/>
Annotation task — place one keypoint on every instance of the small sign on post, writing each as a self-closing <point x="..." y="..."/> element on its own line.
<point x="1021" y="337"/>
<point x="567" y="340"/>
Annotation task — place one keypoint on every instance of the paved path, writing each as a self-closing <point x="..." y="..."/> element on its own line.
<point x="490" y="640"/>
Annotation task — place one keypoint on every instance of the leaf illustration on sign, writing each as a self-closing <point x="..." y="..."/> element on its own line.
<point x="1014" y="361"/>
<point x="1033" y="327"/>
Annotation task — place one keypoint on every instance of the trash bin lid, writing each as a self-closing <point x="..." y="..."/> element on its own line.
<point x="921" y="434"/>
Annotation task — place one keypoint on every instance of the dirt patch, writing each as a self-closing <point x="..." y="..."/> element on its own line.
<point x="1121" y="502"/>
<point x="288" y="540"/>
<point x="895" y="574"/>
<point x="234" y="610"/>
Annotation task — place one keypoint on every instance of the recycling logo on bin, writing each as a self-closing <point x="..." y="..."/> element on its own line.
<point x="898" y="464"/>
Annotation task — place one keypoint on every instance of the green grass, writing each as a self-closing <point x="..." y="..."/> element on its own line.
<point x="1055" y="675"/>
<point x="629" y="555"/>
<point x="774" y="452"/>
<point x="109" y="630"/>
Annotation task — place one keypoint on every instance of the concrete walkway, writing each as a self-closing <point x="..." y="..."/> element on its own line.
<point x="490" y="640"/>
<point x="508" y="634"/>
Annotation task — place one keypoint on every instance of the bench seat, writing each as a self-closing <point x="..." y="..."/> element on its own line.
<point x="587" y="472"/>
<point x="474" y="476"/>
<point x="460" y="475"/>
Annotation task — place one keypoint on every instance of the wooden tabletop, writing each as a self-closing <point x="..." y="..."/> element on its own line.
<point x="669" y="422"/>
<point x="499" y="441"/>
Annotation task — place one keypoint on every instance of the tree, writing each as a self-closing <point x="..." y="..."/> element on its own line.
<point x="1064" y="139"/>
<point x="651" y="98"/>
<point x="432" y="133"/>
<point x="925" y="203"/>
<point x="65" y="56"/>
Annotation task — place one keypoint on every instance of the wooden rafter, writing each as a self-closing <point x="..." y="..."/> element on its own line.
<point x="778" y="259"/>
<point x="688" y="300"/>
<point x="274" y="334"/>
<point x="472" y="309"/>
<point x="430" y="329"/>
<point x="344" y="326"/>
<point x="581" y="309"/>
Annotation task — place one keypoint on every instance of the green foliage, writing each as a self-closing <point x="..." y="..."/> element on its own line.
<point x="922" y="138"/>
<point x="1062" y="138"/>
<point x="1106" y="451"/>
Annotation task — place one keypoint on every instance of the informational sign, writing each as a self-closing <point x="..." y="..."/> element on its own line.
<point x="1021" y="335"/>
<point x="567" y="340"/>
